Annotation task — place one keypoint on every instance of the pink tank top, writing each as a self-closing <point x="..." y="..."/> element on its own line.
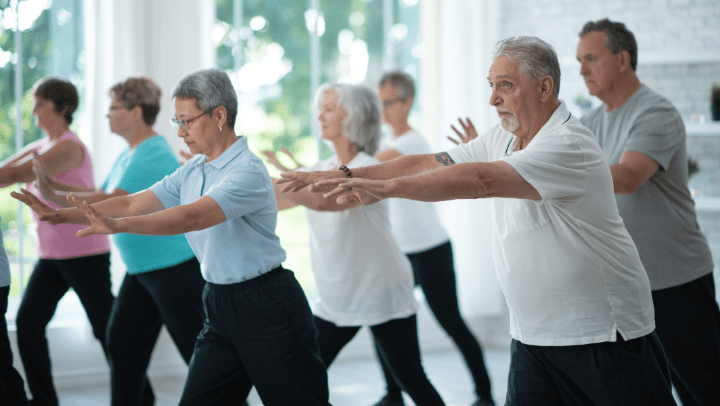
<point x="60" y="242"/>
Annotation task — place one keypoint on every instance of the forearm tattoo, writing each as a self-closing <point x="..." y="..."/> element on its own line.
<point x="444" y="158"/>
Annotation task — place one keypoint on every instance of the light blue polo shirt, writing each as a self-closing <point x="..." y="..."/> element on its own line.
<point x="134" y="171"/>
<point x="245" y="245"/>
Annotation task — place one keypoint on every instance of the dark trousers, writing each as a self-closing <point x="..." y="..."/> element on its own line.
<point x="435" y="274"/>
<point x="397" y="343"/>
<point x="171" y="296"/>
<point x="258" y="332"/>
<point x="687" y="321"/>
<point x="90" y="278"/>
<point x="623" y="373"/>
<point x="12" y="387"/>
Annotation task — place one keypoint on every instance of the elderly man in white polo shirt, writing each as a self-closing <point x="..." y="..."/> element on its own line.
<point x="581" y="312"/>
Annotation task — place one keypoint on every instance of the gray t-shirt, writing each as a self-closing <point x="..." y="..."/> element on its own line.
<point x="660" y="214"/>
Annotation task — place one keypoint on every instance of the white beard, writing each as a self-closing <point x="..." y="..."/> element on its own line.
<point x="509" y="124"/>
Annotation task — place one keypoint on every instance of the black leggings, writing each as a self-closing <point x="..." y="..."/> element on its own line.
<point x="398" y="346"/>
<point x="89" y="277"/>
<point x="435" y="274"/>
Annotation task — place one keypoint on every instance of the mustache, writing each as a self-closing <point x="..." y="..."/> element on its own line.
<point x="500" y="109"/>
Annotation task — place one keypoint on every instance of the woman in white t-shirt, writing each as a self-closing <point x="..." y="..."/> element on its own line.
<point x="362" y="277"/>
<point x="421" y="236"/>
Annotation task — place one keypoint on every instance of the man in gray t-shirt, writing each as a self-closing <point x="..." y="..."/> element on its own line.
<point x="643" y="138"/>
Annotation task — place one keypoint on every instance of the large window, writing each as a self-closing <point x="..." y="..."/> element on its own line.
<point x="277" y="54"/>
<point x="50" y="35"/>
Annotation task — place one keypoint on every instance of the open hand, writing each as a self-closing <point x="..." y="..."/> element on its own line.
<point x="468" y="134"/>
<point x="272" y="158"/>
<point x="44" y="212"/>
<point x="295" y="180"/>
<point x="99" y="223"/>
<point x="355" y="190"/>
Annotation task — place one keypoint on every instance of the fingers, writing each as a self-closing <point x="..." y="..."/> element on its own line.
<point x="453" y="140"/>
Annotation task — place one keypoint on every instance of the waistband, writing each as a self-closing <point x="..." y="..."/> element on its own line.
<point x="250" y="283"/>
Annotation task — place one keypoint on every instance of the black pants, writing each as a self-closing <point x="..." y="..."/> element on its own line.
<point x="12" y="387"/>
<point x="623" y="373"/>
<point x="435" y="274"/>
<point x="258" y="332"/>
<point x="687" y="321"/>
<point x="52" y="278"/>
<point x="171" y="296"/>
<point x="398" y="345"/>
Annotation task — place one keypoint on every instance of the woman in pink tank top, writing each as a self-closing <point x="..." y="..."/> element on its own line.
<point x="65" y="261"/>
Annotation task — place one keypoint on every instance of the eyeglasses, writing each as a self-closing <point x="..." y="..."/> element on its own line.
<point x="112" y="109"/>
<point x="388" y="103"/>
<point x="185" y="123"/>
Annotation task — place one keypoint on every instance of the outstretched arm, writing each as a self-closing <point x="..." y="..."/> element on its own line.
<point x="56" y="192"/>
<point x="137" y="204"/>
<point x="463" y="181"/>
<point x="199" y="215"/>
<point x="314" y="201"/>
<point x="62" y="156"/>
<point x="403" y="166"/>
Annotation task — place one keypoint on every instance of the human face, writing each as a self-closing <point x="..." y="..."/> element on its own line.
<point x="394" y="109"/>
<point x="118" y="117"/>
<point x="331" y="116"/>
<point x="515" y="97"/>
<point x="204" y="136"/>
<point x="598" y="66"/>
<point x="45" y="115"/>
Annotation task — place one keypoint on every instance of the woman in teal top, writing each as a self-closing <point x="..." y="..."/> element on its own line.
<point x="163" y="284"/>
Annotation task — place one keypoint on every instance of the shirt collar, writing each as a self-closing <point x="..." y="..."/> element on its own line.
<point x="227" y="156"/>
<point x="560" y="116"/>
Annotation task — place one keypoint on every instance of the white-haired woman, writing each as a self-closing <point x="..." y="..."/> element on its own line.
<point x="258" y="328"/>
<point x="362" y="277"/>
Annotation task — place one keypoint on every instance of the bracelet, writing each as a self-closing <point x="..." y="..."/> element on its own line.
<point x="346" y="169"/>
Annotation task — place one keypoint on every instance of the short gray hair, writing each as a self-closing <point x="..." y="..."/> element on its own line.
<point x="536" y="58"/>
<point x="211" y="88"/>
<point x="362" y="106"/>
<point x="401" y="81"/>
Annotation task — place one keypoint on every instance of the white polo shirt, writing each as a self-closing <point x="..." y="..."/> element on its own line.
<point x="570" y="271"/>
<point x="362" y="277"/>
<point x="415" y="224"/>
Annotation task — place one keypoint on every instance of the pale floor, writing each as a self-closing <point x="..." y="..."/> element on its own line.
<point x="352" y="383"/>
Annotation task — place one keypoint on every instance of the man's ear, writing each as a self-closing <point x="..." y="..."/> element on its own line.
<point x="547" y="85"/>
<point x="220" y="116"/>
<point x="624" y="61"/>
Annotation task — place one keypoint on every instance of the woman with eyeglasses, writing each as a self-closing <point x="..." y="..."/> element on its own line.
<point x="65" y="261"/>
<point x="362" y="277"/>
<point x="163" y="284"/>
<point x="258" y="327"/>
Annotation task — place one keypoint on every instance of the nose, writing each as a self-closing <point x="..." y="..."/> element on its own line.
<point x="583" y="69"/>
<point x="494" y="97"/>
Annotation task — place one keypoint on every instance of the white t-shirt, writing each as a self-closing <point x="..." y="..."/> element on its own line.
<point x="415" y="224"/>
<point x="362" y="277"/>
<point x="570" y="272"/>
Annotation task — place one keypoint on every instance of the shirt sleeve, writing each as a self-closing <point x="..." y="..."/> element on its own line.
<point x="167" y="190"/>
<point x="242" y="191"/>
<point x="656" y="134"/>
<point x="474" y="151"/>
<point x="554" y="165"/>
